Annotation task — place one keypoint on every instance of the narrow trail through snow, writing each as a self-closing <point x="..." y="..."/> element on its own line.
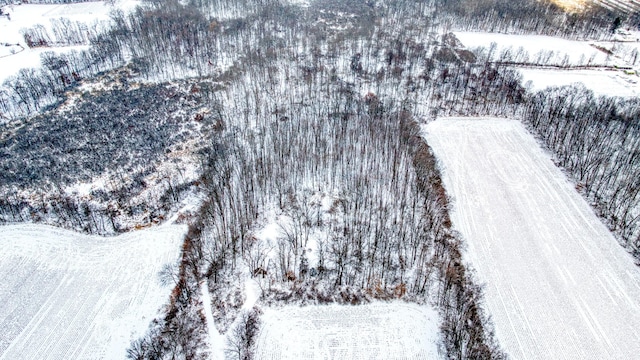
<point x="558" y="285"/>
<point x="216" y="340"/>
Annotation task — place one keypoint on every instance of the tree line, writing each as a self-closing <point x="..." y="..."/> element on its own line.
<point x="597" y="140"/>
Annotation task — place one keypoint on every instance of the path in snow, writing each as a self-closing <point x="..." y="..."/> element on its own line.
<point x="558" y="285"/>
<point x="252" y="292"/>
<point x="392" y="330"/>
<point x="65" y="295"/>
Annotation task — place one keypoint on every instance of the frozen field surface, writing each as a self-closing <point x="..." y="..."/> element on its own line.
<point x="558" y="285"/>
<point x="392" y="330"/>
<point x="65" y="295"/>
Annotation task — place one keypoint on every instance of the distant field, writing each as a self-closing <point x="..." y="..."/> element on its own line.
<point x="558" y="285"/>
<point x="540" y="48"/>
<point x="622" y="5"/>
<point x="13" y="58"/>
<point x="601" y="82"/>
<point x="551" y="61"/>
<point x="69" y="296"/>
<point x="393" y="330"/>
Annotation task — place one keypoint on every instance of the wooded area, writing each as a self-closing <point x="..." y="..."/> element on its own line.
<point x="290" y="107"/>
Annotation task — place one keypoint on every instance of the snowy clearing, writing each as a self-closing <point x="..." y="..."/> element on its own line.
<point x="601" y="82"/>
<point x="393" y="330"/>
<point x="13" y="57"/>
<point x="558" y="285"/>
<point x="66" y="295"/>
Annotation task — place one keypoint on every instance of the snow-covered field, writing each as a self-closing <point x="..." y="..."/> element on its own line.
<point x="558" y="285"/>
<point x="537" y="46"/>
<point x="393" y="330"/>
<point x="601" y="82"/>
<point x="65" y="295"/>
<point x="13" y="58"/>
<point x="546" y="50"/>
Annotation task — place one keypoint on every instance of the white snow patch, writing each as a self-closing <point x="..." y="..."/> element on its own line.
<point x="66" y="295"/>
<point x="301" y="3"/>
<point x="558" y="285"/>
<point x="252" y="294"/>
<point x="394" y="330"/>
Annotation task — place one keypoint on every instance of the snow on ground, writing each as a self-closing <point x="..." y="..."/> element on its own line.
<point x="277" y="224"/>
<point x="252" y="292"/>
<point x="302" y="3"/>
<point x="558" y="285"/>
<point x="601" y="82"/>
<point x="28" y="15"/>
<point x="394" y="330"/>
<point x="578" y="52"/>
<point x="65" y="295"/>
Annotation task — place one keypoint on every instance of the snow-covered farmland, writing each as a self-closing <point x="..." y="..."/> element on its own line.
<point x="394" y="330"/>
<point x="558" y="285"/>
<point x="601" y="82"/>
<point x="65" y="295"/>
<point x="17" y="55"/>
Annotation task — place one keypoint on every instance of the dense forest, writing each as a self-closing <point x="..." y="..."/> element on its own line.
<point x="306" y="118"/>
